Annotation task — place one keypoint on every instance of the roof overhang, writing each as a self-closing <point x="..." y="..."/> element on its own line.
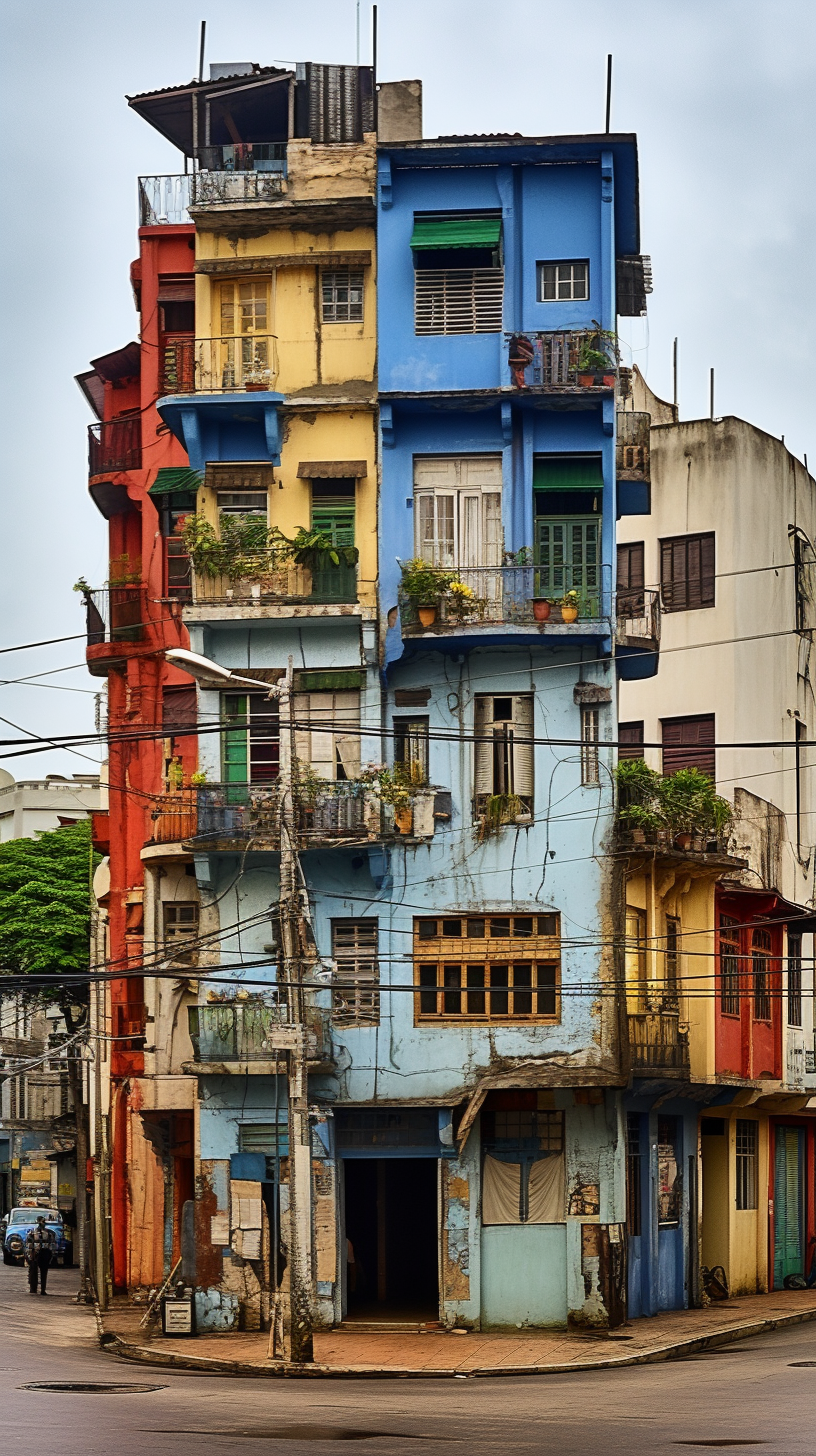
<point x="240" y="106"/>
<point x="767" y="904"/>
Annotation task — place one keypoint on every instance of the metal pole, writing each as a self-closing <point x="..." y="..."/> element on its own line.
<point x="301" y="1300"/>
<point x="608" y="93"/>
<point x="674" y="370"/>
<point x="711" y="393"/>
<point x="374" y="62"/>
<point x="358" y="32"/>
<point x="201" y="51"/>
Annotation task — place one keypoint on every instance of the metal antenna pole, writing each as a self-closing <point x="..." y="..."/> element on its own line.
<point x="608" y="93"/>
<point x="674" y="371"/>
<point x="711" y="393"/>
<point x="358" y="32"/>
<point x="201" y="51"/>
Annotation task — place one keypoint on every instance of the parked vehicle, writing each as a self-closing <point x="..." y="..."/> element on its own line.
<point x="18" y="1224"/>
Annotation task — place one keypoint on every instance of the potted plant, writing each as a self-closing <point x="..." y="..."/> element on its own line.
<point x="394" y="786"/>
<point x="499" y="809"/>
<point x="692" y="809"/>
<point x="597" y="358"/>
<point x="570" y="605"/>
<point x="425" y="585"/>
<point x="542" y="606"/>
<point x="463" y="600"/>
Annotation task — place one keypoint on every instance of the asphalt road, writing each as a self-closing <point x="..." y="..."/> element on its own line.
<point x="751" y="1396"/>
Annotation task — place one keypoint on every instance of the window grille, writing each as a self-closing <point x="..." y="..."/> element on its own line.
<point x="673" y="947"/>
<point x="761" y="954"/>
<point x="342" y="296"/>
<point x="487" y="968"/>
<point x="567" y="280"/>
<point x="729" y="966"/>
<point x="590" y="734"/>
<point x="354" y="949"/>
<point x="458" y="300"/>
<point x="181" y="926"/>
<point x="794" y="980"/>
<point x="746" y="1164"/>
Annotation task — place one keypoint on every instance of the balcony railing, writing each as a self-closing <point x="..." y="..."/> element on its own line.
<point x="231" y="362"/>
<point x="164" y="200"/>
<point x="270" y="579"/>
<point x="236" y="1031"/>
<point x="115" y="614"/>
<point x="512" y="596"/>
<point x="342" y="810"/>
<point x="247" y="172"/>
<point x="174" y="817"/>
<point x="249" y="814"/>
<point x="115" y="445"/>
<point x="632" y="449"/>
<point x="658" y="1043"/>
<point x="551" y="360"/>
<point x="232" y="187"/>
<point x="261" y="157"/>
<point x="637" y="618"/>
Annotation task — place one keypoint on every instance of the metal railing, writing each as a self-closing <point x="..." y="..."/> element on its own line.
<point x="232" y="186"/>
<point x="230" y="362"/>
<point x="164" y="200"/>
<point x="507" y="595"/>
<point x="657" y="1042"/>
<point x="270" y="578"/>
<point x="324" y="812"/>
<point x="115" y="614"/>
<point x="244" y="157"/>
<point x="174" y="817"/>
<point x="343" y="809"/>
<point x="545" y="360"/>
<point x="632" y="455"/>
<point x="115" y="445"/>
<point x="247" y="172"/>
<point x="637" y="618"/>
<point x="236" y="1031"/>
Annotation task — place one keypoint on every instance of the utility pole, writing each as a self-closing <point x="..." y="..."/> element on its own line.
<point x="301" y="1284"/>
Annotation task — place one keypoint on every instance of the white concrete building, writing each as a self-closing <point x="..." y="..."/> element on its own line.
<point x="33" y="805"/>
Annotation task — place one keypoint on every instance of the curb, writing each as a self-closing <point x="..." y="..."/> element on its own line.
<point x="113" y="1345"/>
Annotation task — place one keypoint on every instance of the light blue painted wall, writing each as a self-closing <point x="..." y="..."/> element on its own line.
<point x="523" y="1275"/>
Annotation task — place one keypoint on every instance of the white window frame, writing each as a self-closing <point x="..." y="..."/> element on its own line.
<point x="350" y="310"/>
<point x="564" y="277"/>
<point x="590" y="740"/>
<point x="521" y="755"/>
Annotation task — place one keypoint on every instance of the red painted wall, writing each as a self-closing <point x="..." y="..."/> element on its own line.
<point x="745" y="1045"/>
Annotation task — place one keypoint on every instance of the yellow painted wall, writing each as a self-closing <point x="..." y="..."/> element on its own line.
<point x="715" y="1200"/>
<point x="735" y="1238"/>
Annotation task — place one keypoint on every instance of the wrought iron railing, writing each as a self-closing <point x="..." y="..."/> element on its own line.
<point x="512" y="595"/>
<point x="247" y="172"/>
<point x="342" y="809"/>
<point x="657" y="1042"/>
<point x="552" y="359"/>
<point x="115" y="445"/>
<point x="230" y="362"/>
<point x="268" y="578"/>
<point x="244" y="157"/>
<point x="637" y="617"/>
<point x="632" y="458"/>
<point x="236" y="186"/>
<point x="236" y="1031"/>
<point x="164" y="200"/>
<point x="115" y="614"/>
<point x="324" y="811"/>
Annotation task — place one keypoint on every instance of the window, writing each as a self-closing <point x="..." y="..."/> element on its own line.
<point x="630" y="740"/>
<point x="333" y="514"/>
<point x="631" y="579"/>
<point x="635" y="950"/>
<point x="270" y="1140"/>
<point x="251" y="740"/>
<point x="633" y="1174"/>
<point x="458" y="278"/>
<point x="590" y="734"/>
<point x="243" y="503"/>
<point x="179" y="711"/>
<point x="243" y="354"/>
<point x="729" y="966"/>
<point x="181" y="926"/>
<point x="687" y="572"/>
<point x="327" y="736"/>
<point x="673" y="946"/>
<point x="669" y="1184"/>
<point x="458" y="519"/>
<point x="523" y="1168"/>
<point x="487" y="968"/>
<point x="761" y="958"/>
<point x="689" y="743"/>
<point x="568" y="493"/>
<point x="411" y="747"/>
<point x="794" y="980"/>
<point x="503" y="750"/>
<point x="354" y="948"/>
<point x="341" y="292"/>
<point x="746" y="1163"/>
<point x="567" y="280"/>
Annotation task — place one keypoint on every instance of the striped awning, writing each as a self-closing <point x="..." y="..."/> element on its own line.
<point x="175" y="480"/>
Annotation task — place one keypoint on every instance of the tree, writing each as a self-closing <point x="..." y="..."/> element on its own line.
<point x="45" y="928"/>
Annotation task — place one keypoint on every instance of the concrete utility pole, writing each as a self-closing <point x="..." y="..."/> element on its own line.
<point x="301" y="1285"/>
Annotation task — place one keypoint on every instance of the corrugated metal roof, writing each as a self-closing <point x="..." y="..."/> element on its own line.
<point x="195" y="84"/>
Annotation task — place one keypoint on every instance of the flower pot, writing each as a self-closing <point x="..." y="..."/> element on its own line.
<point x="682" y="841"/>
<point x="586" y="380"/>
<point x="541" y="609"/>
<point x="404" y="819"/>
<point x="638" y="836"/>
<point x="569" y="614"/>
<point x="608" y="380"/>
<point x="427" y="615"/>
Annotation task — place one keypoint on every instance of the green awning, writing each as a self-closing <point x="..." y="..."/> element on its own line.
<point x="568" y="472"/>
<point x="330" y="681"/>
<point x="456" y="232"/>
<point x="175" y="480"/>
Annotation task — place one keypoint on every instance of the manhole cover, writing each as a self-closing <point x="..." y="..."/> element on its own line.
<point x="299" y="1433"/>
<point x="88" y="1387"/>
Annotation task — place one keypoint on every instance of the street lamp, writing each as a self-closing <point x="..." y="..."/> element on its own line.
<point x="204" y="670"/>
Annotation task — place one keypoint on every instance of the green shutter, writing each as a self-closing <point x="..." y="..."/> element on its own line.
<point x="175" y="480"/>
<point x="564" y="472"/>
<point x="336" y="522"/>
<point x="456" y="232"/>
<point x="235" y="740"/>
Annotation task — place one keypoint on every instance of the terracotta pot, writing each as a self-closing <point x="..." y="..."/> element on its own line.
<point x="609" y="381"/>
<point x="682" y="841"/>
<point x="569" y="614"/>
<point x="427" y="615"/>
<point x="256" y="387"/>
<point x="586" y="380"/>
<point x="404" y="820"/>
<point x="541" y="609"/>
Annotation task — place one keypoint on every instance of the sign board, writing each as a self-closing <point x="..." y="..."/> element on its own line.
<point x="177" y="1316"/>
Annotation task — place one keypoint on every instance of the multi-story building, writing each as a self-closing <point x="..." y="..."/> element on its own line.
<point x="720" y="917"/>
<point x="30" y="806"/>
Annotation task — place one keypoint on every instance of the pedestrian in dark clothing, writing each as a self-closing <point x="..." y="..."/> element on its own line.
<point x="39" y="1248"/>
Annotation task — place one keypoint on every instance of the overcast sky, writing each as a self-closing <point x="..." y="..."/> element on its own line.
<point x="720" y="92"/>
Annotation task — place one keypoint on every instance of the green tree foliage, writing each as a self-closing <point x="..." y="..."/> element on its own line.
<point x="45" y="911"/>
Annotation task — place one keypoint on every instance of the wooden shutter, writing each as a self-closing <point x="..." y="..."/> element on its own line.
<point x="689" y="743"/>
<point x="630" y="566"/>
<point x="523" y="752"/>
<point x="630" y="740"/>
<point x="354" y="947"/>
<point x="687" y="572"/>
<point x="321" y="741"/>
<point x="179" y="710"/>
<point x="458" y="300"/>
<point x="483" y="748"/>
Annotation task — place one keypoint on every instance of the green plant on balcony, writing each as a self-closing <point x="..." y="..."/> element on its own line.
<point x="316" y="550"/>
<point x="425" y="585"/>
<point x="231" y="551"/>
<point x="464" y="602"/>
<point x="692" y="807"/>
<point x="498" y="810"/>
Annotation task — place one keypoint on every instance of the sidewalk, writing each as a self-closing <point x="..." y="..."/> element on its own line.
<point x="348" y="1353"/>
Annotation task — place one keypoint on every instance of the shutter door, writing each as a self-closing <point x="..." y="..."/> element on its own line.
<point x="235" y="740"/>
<point x="523" y="752"/>
<point x="689" y="743"/>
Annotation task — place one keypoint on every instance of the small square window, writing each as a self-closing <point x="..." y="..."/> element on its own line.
<point x="563" y="281"/>
<point x="426" y="930"/>
<point x="452" y="928"/>
<point x="342" y="296"/>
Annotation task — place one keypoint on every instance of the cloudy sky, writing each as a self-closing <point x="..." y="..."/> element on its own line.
<point x="720" y="92"/>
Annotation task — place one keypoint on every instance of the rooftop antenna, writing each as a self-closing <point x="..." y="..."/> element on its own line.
<point x="711" y="393"/>
<point x="358" y="32"/>
<point x="201" y="51"/>
<point x="374" y="63"/>
<point x="608" y="92"/>
<point x="674" y="371"/>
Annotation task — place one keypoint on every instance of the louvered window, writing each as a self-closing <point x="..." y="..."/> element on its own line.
<point x="356" y="1001"/>
<point x="487" y="968"/>
<point x="458" y="300"/>
<point x="687" y="572"/>
<point x="631" y="579"/>
<point x="630" y="740"/>
<point x="503" y="751"/>
<point x="689" y="743"/>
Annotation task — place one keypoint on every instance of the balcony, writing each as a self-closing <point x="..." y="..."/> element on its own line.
<point x="115" y="445"/>
<point x="658" y="1044"/>
<point x="234" y="1033"/>
<point x="553" y="360"/>
<point x="228" y="816"/>
<point x="632" y="454"/>
<point x="164" y="200"/>
<point x="115" y="614"/>
<point x="174" y="817"/>
<point x="269" y="579"/>
<point x="679" y="816"/>
<point x="219" y="366"/>
<point x="248" y="172"/>
<point x="498" y="599"/>
<point x="637" y="634"/>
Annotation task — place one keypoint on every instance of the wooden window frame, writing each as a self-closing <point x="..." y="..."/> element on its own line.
<point x="355" y="950"/>
<point x="590" y="746"/>
<point x="174" y="937"/>
<point x="729" y="951"/>
<point x="794" y="980"/>
<point x="476" y="968"/>
<point x="684" y="590"/>
<point x="761" y="972"/>
<point x="498" y="761"/>
<point x="458" y="301"/>
<point x="630" y="575"/>
<point x="408" y="732"/>
<point x="746" y="1161"/>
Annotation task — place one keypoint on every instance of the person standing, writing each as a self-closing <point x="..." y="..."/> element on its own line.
<point x="39" y="1248"/>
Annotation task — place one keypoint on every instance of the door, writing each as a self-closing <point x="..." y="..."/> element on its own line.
<point x="568" y="555"/>
<point x="391" y="1223"/>
<point x="789" y="1204"/>
<point x="458" y="522"/>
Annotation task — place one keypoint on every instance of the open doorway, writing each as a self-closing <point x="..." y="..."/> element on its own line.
<point x="391" y="1231"/>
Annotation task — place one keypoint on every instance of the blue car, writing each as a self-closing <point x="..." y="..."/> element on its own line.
<point x="17" y="1226"/>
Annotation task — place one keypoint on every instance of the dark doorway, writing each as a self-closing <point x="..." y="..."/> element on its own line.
<point x="391" y="1225"/>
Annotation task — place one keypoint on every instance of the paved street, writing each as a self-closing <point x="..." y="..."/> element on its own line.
<point x="748" y="1395"/>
